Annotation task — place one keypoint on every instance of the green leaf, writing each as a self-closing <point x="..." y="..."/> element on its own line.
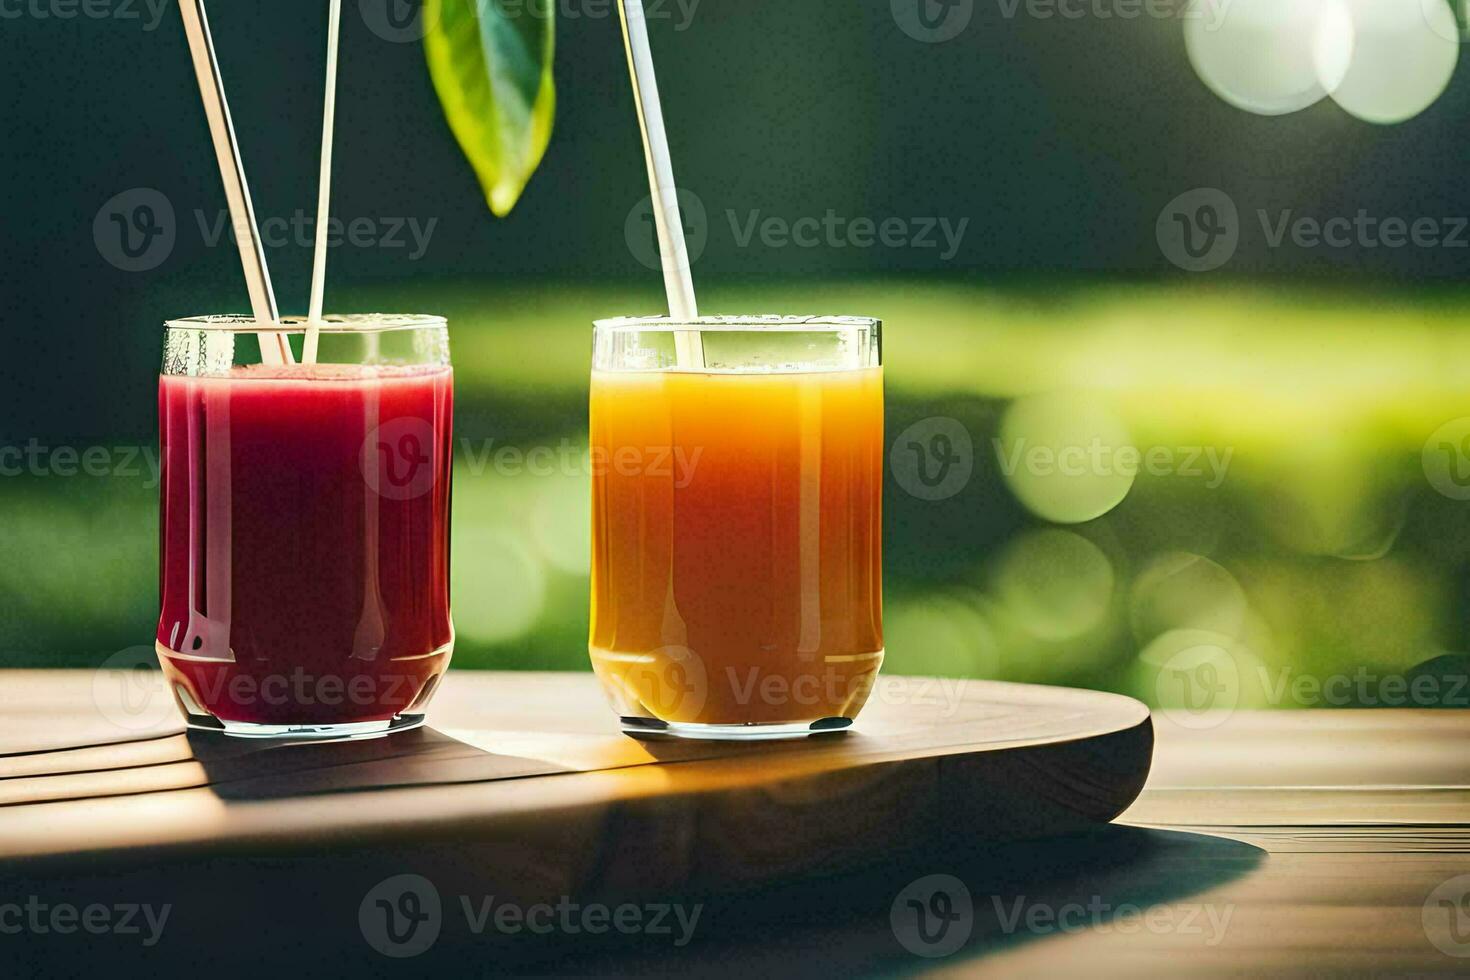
<point x="491" y="65"/>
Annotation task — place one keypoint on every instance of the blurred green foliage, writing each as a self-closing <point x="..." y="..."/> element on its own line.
<point x="1322" y="547"/>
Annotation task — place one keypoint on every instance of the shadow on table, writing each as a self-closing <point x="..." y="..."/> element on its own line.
<point x="237" y="769"/>
<point x="888" y="919"/>
<point x="245" y="769"/>
<point x="247" y="915"/>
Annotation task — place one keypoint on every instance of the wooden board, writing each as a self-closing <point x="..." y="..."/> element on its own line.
<point x="522" y="792"/>
<point x="541" y="752"/>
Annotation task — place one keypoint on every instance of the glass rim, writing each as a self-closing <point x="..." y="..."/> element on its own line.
<point x="775" y="323"/>
<point x="351" y="323"/>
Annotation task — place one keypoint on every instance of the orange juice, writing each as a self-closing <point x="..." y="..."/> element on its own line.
<point x="737" y="544"/>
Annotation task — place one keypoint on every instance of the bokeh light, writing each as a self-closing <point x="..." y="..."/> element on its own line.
<point x="1066" y="456"/>
<point x="1181" y="591"/>
<point x="1403" y="55"/>
<point x="1264" y="55"/>
<point x="1055" y="584"/>
<point x="1189" y="673"/>
<point x="561" y="519"/>
<point x="1384" y="61"/>
<point x="500" y="585"/>
<point x="941" y="635"/>
<point x="1455" y="28"/>
<point x="1329" y="498"/>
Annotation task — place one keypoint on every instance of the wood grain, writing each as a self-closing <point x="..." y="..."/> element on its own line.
<point x="929" y="759"/>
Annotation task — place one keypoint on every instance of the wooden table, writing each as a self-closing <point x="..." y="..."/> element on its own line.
<point x="1322" y="835"/>
<point x="1289" y="842"/>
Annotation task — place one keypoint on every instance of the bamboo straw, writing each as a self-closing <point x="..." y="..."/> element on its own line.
<point x="274" y="348"/>
<point x="324" y="190"/>
<point x="664" y="193"/>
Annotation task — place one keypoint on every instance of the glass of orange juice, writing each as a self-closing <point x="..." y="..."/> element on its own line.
<point x="737" y="498"/>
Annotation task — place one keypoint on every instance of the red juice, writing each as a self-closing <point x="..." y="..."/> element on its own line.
<point x="304" y="541"/>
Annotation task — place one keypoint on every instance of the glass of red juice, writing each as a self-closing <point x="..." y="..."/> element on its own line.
<point x="304" y="525"/>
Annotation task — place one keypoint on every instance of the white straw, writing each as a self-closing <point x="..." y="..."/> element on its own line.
<point x="664" y="193"/>
<point x="324" y="190"/>
<point x="274" y="348"/>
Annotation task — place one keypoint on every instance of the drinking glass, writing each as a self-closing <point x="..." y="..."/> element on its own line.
<point x="304" y="525"/>
<point x="737" y="482"/>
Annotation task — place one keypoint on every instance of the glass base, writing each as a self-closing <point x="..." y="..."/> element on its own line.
<point x="346" y="730"/>
<point x="652" y="727"/>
